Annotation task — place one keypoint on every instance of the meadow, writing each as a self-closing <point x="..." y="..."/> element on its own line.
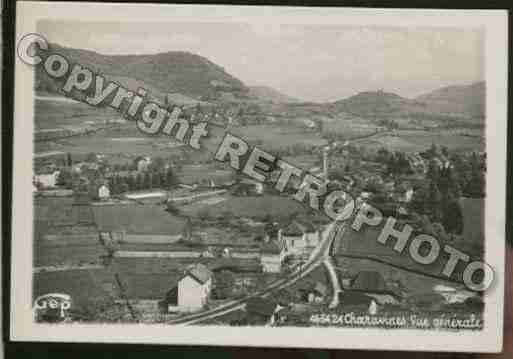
<point x="274" y="137"/>
<point x="364" y="244"/>
<point x="137" y="219"/>
<point x="255" y="207"/>
<point x="416" y="141"/>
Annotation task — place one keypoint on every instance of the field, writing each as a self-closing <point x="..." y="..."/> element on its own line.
<point x="53" y="114"/>
<point x="414" y="283"/>
<point x="256" y="207"/>
<point x="54" y="210"/>
<point x="68" y="251"/>
<point x="347" y="127"/>
<point x="137" y="219"/>
<point x="303" y="162"/>
<point x="86" y="287"/>
<point x="414" y="141"/>
<point x="151" y="278"/>
<point x="275" y="137"/>
<point x="364" y="243"/>
<point x="189" y="174"/>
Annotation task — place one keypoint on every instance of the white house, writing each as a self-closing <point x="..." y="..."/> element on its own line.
<point x="103" y="192"/>
<point x="194" y="288"/>
<point x="406" y="196"/>
<point x="47" y="180"/>
<point x="299" y="237"/>
<point x="143" y="163"/>
<point x="271" y="257"/>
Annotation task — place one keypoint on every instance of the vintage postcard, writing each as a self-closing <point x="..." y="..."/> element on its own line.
<point x="259" y="176"/>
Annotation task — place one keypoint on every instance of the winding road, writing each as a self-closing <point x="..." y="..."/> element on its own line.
<point x="319" y="256"/>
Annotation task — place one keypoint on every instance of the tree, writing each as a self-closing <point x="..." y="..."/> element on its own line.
<point x="163" y="179"/>
<point x="432" y="152"/>
<point x="146" y="180"/>
<point x="139" y="181"/>
<point x="155" y="180"/>
<point x="224" y="283"/>
<point x="383" y="155"/>
<point x="170" y="178"/>
<point x="445" y="151"/>
<point x="475" y="186"/>
<point x="112" y="185"/>
<point x="132" y="185"/>
<point x="123" y="187"/>
<point x="452" y="218"/>
<point x="447" y="183"/>
<point x="116" y="184"/>
<point x="91" y="157"/>
<point x="171" y="208"/>
<point x="157" y="165"/>
<point x="65" y="178"/>
<point x="434" y="202"/>
<point x="433" y="172"/>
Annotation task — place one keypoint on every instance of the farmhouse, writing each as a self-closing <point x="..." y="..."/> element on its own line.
<point x="46" y="180"/>
<point x="103" y="192"/>
<point x="142" y="164"/>
<point x="272" y="256"/>
<point x="194" y="288"/>
<point x="299" y="237"/>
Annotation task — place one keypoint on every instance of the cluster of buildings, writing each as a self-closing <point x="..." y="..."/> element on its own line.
<point x="194" y="287"/>
<point x="297" y="241"/>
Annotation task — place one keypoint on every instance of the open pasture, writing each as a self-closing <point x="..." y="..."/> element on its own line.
<point x="256" y="207"/>
<point x="275" y="137"/>
<point x="415" y="141"/>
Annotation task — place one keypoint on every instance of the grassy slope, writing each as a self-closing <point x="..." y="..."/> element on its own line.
<point x="171" y="72"/>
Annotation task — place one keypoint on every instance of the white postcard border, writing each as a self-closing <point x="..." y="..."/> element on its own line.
<point x="23" y="327"/>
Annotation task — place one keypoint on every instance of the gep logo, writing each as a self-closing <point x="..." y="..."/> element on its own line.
<point x="52" y="307"/>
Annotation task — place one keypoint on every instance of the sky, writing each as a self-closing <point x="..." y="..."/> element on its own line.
<point x="310" y="62"/>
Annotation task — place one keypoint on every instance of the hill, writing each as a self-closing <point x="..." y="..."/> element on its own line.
<point x="170" y="72"/>
<point x="468" y="99"/>
<point x="377" y="104"/>
<point x="455" y="105"/>
<point x="268" y="94"/>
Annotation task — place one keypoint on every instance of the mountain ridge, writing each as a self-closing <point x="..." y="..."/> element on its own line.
<point x="465" y="102"/>
<point x="469" y="98"/>
<point x="168" y="72"/>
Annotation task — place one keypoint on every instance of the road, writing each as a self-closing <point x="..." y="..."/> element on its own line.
<point x="318" y="257"/>
<point x="338" y="232"/>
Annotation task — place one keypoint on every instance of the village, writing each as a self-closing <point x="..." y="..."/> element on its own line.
<point x="168" y="245"/>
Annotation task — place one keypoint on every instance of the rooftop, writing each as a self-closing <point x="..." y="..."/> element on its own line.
<point x="199" y="272"/>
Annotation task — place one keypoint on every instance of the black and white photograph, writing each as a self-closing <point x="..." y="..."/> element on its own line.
<point x="234" y="175"/>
